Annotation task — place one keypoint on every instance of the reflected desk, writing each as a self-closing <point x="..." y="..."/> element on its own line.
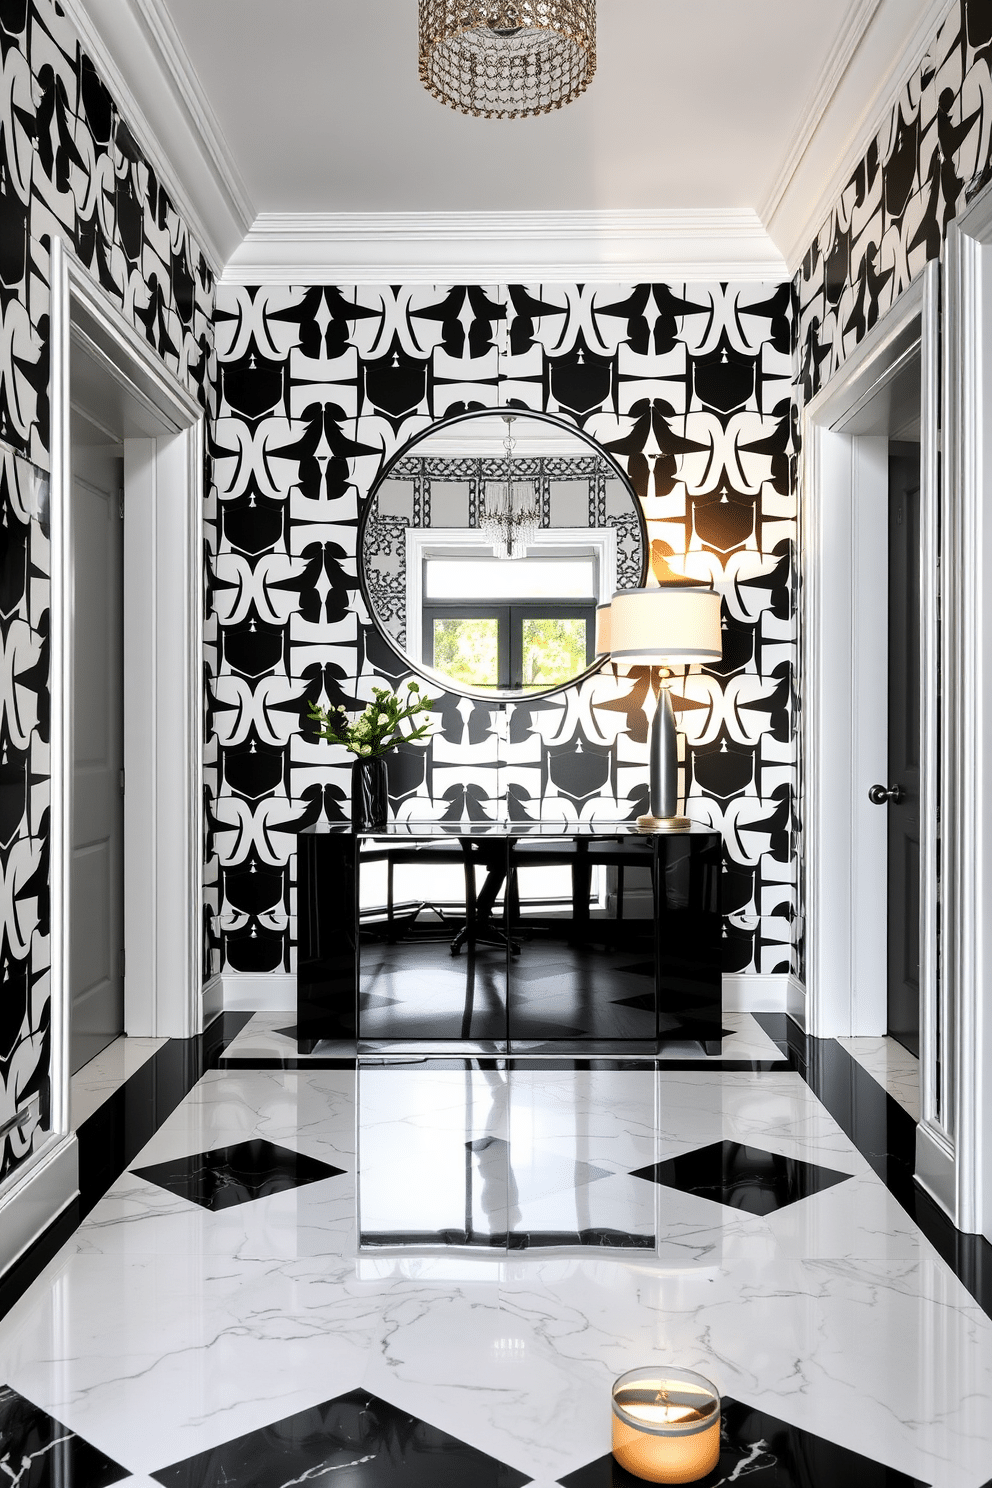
<point x="531" y="937"/>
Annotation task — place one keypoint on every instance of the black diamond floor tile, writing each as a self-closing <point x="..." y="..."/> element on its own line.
<point x="37" y="1451"/>
<point x="353" y="1441"/>
<point x="236" y="1175"/>
<point x="742" y="1177"/>
<point x="764" y="1452"/>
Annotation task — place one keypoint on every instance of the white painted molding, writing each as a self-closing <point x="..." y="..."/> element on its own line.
<point x="966" y="663"/>
<point x="838" y="126"/>
<point x="212" y="999"/>
<point x="163" y="649"/>
<point x="501" y="247"/>
<point x="753" y="992"/>
<point x="935" y="1169"/>
<point x="796" y="1002"/>
<point x="829" y="78"/>
<point x="35" y="1195"/>
<point x="135" y="47"/>
<point x="273" y="992"/>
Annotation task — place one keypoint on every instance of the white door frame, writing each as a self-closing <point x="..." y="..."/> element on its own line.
<point x="966" y="1188"/>
<point x="163" y="633"/>
<point x="844" y="548"/>
<point x="163" y="719"/>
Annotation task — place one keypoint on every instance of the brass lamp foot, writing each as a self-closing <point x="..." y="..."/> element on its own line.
<point x="663" y="823"/>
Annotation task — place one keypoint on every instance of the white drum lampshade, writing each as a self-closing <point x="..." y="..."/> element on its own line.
<point x="671" y="626"/>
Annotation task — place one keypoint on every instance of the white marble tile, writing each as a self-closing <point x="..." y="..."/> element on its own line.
<point x="164" y="1329"/>
<point x="104" y="1074"/>
<point x="261" y="1039"/>
<point x="311" y="1111"/>
<point x="895" y="1069"/>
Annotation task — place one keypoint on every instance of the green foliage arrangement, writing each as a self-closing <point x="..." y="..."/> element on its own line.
<point x="377" y="730"/>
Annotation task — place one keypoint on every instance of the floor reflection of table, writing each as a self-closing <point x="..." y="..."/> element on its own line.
<point x="627" y="956"/>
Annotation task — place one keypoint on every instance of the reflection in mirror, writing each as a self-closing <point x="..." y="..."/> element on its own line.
<point x="487" y="546"/>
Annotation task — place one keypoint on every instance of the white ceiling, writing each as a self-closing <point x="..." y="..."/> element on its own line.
<point x="305" y="107"/>
<point x="694" y="104"/>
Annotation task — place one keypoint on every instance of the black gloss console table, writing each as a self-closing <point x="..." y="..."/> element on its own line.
<point x="509" y="938"/>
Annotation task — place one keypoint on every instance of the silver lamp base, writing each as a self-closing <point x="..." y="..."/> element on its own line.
<point x="663" y="815"/>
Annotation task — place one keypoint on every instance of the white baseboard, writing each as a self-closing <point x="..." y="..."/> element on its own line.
<point x="795" y="1004"/>
<point x="212" y="999"/>
<point x="274" y="992"/>
<point x="935" y="1170"/>
<point x="37" y="1197"/>
<point x="752" y="992"/>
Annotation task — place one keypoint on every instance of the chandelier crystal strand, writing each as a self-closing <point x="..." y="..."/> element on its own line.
<point x="501" y="60"/>
<point x="510" y="514"/>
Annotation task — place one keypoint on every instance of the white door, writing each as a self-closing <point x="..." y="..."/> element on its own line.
<point x="97" y="734"/>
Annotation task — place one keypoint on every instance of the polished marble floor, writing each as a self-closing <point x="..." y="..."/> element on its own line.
<point x="429" y="1271"/>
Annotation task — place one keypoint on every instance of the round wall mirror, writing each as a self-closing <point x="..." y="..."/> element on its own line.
<point x="486" y="544"/>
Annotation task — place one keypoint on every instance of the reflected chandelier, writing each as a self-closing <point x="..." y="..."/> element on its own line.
<point x="510" y="515"/>
<point x="506" y="59"/>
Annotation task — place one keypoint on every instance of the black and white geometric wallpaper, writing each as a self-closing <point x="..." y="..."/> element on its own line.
<point x="931" y="157"/>
<point x="690" y="387"/>
<point x="69" y="165"/>
<point x="696" y="389"/>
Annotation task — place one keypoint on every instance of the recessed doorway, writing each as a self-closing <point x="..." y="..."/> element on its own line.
<point x="96" y="561"/>
<point x="871" y="647"/>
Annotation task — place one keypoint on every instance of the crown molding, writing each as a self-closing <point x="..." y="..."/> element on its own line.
<point x="136" y="48"/>
<point x="501" y="247"/>
<point x="871" y="64"/>
<point x="849" y="38"/>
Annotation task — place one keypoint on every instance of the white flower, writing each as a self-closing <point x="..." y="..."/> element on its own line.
<point x="383" y="718"/>
<point x="366" y="749"/>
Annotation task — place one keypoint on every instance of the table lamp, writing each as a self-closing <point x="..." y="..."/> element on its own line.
<point x="671" y="625"/>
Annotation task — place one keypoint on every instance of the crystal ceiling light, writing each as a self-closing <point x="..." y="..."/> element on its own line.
<point x="510" y="514"/>
<point x="506" y="59"/>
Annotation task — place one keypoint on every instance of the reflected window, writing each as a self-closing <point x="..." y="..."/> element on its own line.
<point x="489" y="578"/>
<point x="523" y="647"/>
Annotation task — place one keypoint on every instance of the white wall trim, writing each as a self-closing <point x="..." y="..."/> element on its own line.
<point x="967" y="735"/>
<point x="136" y="48"/>
<point x="35" y="1195"/>
<point x="830" y="76"/>
<point x="163" y="746"/>
<point x="838" y="126"/>
<point x="844" y="735"/>
<point x="273" y="992"/>
<point x="163" y="537"/>
<point x="497" y="247"/>
<point x="754" y="992"/>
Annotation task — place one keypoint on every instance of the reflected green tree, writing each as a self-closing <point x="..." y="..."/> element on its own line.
<point x="554" y="651"/>
<point x="467" y="651"/>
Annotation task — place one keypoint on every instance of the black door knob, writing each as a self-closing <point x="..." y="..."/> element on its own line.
<point x="879" y="795"/>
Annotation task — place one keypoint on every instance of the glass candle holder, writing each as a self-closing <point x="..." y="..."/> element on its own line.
<point x="666" y="1424"/>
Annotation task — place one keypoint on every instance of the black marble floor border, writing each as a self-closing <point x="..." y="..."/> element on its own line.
<point x="885" y="1135"/>
<point x="115" y="1133"/>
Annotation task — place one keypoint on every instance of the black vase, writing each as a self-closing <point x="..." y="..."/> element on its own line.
<point x="369" y="796"/>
